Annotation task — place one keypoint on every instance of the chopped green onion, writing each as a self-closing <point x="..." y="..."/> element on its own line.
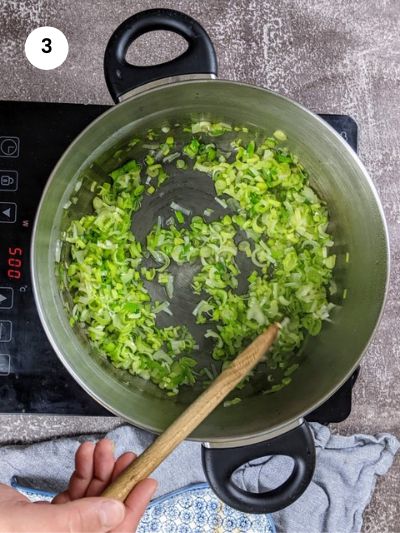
<point x="234" y="401"/>
<point x="201" y="126"/>
<point x="153" y="170"/>
<point x="149" y="160"/>
<point x="179" y="217"/>
<point x="280" y="135"/>
<point x="181" y="164"/>
<point x="274" y="218"/>
<point x="192" y="148"/>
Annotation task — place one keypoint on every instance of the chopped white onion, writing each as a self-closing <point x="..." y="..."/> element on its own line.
<point x="58" y="251"/>
<point x="163" y="307"/>
<point x="158" y="156"/>
<point x="196" y="309"/>
<point x="171" y="157"/>
<point x="151" y="146"/>
<point x="233" y="204"/>
<point x="255" y="261"/>
<point x="161" y="257"/>
<point x="170" y="287"/>
<point x="285" y="322"/>
<point x="168" y="311"/>
<point x="177" y="207"/>
<point x="221" y="202"/>
<point x="255" y="313"/>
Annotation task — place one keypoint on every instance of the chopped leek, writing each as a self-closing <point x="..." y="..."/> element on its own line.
<point x="273" y="217"/>
<point x="234" y="401"/>
<point x="177" y="207"/>
<point x="180" y="217"/>
<point x="280" y="135"/>
<point x="181" y="164"/>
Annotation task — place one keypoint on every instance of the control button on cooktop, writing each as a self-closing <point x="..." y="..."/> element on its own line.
<point x="5" y="330"/>
<point x="8" y="212"/>
<point x="9" y="146"/>
<point x="8" y="180"/>
<point x="5" y="364"/>
<point x="6" y="297"/>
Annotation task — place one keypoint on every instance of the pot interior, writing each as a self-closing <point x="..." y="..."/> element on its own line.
<point x="357" y="226"/>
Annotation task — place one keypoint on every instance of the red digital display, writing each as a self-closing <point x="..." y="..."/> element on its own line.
<point x="14" y="263"/>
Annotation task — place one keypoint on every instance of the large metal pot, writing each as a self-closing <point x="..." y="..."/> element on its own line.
<point x="175" y="91"/>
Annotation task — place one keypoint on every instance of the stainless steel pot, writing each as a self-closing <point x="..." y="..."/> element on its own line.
<point x="175" y="92"/>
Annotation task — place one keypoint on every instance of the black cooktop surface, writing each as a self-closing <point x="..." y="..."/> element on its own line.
<point x="32" y="379"/>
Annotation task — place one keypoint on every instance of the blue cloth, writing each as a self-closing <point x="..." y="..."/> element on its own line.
<point x="192" y="509"/>
<point x="344" y="479"/>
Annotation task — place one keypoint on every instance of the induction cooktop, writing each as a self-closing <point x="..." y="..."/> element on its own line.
<point x="33" y="136"/>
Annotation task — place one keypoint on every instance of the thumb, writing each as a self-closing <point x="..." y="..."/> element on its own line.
<point x="80" y="516"/>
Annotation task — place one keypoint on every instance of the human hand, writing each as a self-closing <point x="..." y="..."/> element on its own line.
<point x="80" y="509"/>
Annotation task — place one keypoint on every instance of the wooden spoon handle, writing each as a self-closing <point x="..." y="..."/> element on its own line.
<point x="183" y="426"/>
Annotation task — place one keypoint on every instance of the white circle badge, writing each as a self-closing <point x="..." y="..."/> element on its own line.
<point x="46" y="48"/>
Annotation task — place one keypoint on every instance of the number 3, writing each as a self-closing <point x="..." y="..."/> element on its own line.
<point x="47" y="45"/>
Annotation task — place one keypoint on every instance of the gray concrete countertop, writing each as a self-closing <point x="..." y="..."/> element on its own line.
<point x="333" y="57"/>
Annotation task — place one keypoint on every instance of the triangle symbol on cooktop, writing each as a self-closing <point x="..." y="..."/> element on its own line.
<point x="2" y="298"/>
<point x="7" y="212"/>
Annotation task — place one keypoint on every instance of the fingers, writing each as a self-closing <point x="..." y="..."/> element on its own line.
<point x="86" y="515"/>
<point x="94" y="468"/>
<point x="121" y="463"/>
<point x="83" y="475"/>
<point x="63" y="497"/>
<point x="103" y="466"/>
<point x="136" y="504"/>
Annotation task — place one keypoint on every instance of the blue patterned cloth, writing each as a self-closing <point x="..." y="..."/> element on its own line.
<point x="344" y="479"/>
<point x="196" y="509"/>
<point x="192" y="509"/>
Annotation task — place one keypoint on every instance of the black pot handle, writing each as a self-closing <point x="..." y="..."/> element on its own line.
<point x="121" y="76"/>
<point x="220" y="463"/>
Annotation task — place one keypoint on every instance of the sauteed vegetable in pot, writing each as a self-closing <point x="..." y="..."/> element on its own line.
<point x="263" y="213"/>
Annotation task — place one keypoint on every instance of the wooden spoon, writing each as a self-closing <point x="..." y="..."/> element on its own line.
<point x="183" y="426"/>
